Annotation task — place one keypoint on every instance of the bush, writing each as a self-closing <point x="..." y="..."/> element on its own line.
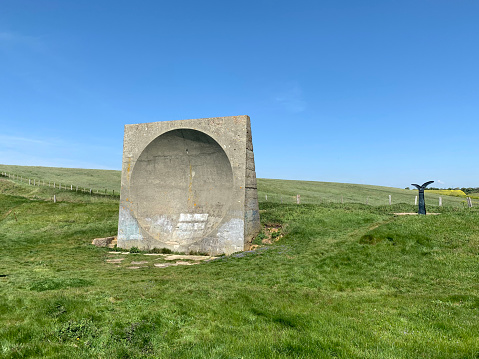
<point x="134" y="250"/>
<point x="161" y="250"/>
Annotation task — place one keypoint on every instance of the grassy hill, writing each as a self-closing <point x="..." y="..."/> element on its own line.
<point x="271" y="190"/>
<point x="87" y="178"/>
<point x="274" y="190"/>
<point x="346" y="281"/>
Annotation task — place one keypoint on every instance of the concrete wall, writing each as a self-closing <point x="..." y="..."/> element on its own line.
<point x="189" y="185"/>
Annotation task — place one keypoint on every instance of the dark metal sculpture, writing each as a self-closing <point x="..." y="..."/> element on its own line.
<point x="422" y="203"/>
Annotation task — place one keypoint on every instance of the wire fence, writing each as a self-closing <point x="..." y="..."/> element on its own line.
<point x="60" y="186"/>
<point x="374" y="199"/>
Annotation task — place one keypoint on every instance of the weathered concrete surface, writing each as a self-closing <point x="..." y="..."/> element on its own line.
<point x="189" y="185"/>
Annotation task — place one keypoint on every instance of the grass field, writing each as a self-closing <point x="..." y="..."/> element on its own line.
<point x="345" y="281"/>
<point x="321" y="192"/>
<point x="87" y="178"/>
<point x="269" y="190"/>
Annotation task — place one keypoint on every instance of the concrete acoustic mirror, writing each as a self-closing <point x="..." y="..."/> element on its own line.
<point x="189" y="186"/>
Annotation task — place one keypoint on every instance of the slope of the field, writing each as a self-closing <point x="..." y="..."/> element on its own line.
<point x="85" y="178"/>
<point x="344" y="281"/>
<point x="275" y="190"/>
<point x="270" y="190"/>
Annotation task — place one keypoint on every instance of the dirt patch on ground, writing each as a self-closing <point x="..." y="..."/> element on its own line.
<point x="270" y="233"/>
<point x="149" y="259"/>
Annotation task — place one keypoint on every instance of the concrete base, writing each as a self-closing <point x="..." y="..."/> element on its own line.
<point x="189" y="185"/>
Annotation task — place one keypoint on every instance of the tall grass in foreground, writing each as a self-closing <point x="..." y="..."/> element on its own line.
<point x="347" y="281"/>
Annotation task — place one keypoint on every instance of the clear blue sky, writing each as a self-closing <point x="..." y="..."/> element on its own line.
<point x="379" y="92"/>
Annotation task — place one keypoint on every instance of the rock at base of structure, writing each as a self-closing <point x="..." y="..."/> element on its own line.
<point x="189" y="186"/>
<point x="109" y="242"/>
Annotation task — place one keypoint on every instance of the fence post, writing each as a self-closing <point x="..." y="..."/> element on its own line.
<point x="29" y="181"/>
<point x="389" y="199"/>
<point x="76" y="189"/>
<point x="440" y="201"/>
<point x="71" y="187"/>
<point x="90" y="191"/>
<point x="298" y="199"/>
<point x="53" y="184"/>
<point x="415" y="201"/>
<point x="469" y="202"/>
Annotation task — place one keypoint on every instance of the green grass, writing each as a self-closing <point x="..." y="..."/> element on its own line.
<point x="277" y="191"/>
<point x="86" y="178"/>
<point x="347" y="280"/>
<point x="285" y="191"/>
<point x="45" y="193"/>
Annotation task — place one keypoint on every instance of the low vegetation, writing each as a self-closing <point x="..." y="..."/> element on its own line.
<point x="343" y="280"/>
<point x="447" y="192"/>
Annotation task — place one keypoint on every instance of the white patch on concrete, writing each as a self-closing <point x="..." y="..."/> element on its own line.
<point x="160" y="224"/>
<point x="199" y="226"/>
<point x="193" y="217"/>
<point x="230" y="236"/>
<point x="190" y="225"/>
<point x="128" y="226"/>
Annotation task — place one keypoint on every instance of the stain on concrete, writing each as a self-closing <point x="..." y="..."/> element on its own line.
<point x="128" y="228"/>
